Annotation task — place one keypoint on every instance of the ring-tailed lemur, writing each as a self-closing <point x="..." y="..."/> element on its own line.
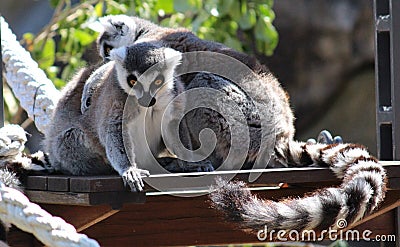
<point x="361" y="191"/>
<point x="145" y="71"/>
<point x="122" y="30"/>
<point x="91" y="143"/>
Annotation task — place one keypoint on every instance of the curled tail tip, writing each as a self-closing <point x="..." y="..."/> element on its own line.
<point x="229" y="197"/>
<point x="224" y="190"/>
<point x="9" y="179"/>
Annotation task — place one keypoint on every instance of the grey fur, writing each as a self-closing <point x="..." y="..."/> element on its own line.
<point x="91" y="143"/>
<point x="362" y="190"/>
<point x="122" y="30"/>
<point x="264" y="89"/>
<point x="268" y="107"/>
<point x="147" y="62"/>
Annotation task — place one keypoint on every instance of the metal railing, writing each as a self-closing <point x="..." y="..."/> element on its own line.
<point x="387" y="77"/>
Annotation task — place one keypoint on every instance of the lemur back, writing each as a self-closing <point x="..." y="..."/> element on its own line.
<point x="71" y="142"/>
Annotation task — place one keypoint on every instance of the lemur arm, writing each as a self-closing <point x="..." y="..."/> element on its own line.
<point x="116" y="153"/>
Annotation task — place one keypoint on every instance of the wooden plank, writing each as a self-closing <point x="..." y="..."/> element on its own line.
<point x="58" y="183"/>
<point x="392" y="168"/>
<point x="81" y="217"/>
<point x="97" y="184"/>
<point x="115" y="199"/>
<point x="88" y="184"/>
<point x="55" y="197"/>
<point x="18" y="238"/>
<point x="172" y="221"/>
<point x="394" y="183"/>
<point x="384" y="224"/>
<point x="391" y="202"/>
<point x="36" y="182"/>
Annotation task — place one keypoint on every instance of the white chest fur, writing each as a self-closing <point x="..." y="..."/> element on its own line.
<point x="144" y="133"/>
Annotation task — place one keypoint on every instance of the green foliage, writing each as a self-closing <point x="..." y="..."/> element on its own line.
<point x="339" y="243"/>
<point x="60" y="46"/>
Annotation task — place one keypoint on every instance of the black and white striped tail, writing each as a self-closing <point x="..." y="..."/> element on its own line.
<point x="361" y="191"/>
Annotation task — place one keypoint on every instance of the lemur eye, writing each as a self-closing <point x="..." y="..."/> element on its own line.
<point x="88" y="102"/>
<point x="132" y="80"/>
<point x="107" y="49"/>
<point x="159" y="80"/>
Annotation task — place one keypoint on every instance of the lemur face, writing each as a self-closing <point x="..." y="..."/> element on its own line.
<point x="119" y="30"/>
<point x="146" y="71"/>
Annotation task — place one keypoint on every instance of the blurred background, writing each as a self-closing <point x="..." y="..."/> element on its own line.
<point x="322" y="51"/>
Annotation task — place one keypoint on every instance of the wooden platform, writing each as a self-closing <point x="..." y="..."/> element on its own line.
<point x="105" y="210"/>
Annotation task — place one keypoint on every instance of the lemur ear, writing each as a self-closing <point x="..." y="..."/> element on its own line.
<point x="118" y="54"/>
<point x="173" y="56"/>
<point x="119" y="24"/>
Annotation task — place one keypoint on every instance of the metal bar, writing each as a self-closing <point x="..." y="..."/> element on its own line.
<point x="1" y="88"/>
<point x="384" y="113"/>
<point x="397" y="229"/>
<point x="383" y="23"/>
<point x="395" y="73"/>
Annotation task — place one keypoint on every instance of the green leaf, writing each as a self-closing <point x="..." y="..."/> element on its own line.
<point x="52" y="72"/>
<point x="266" y="11"/>
<point x="54" y="3"/>
<point x="98" y="8"/>
<point x="166" y="5"/>
<point x="47" y="55"/>
<point x="185" y="6"/>
<point x="59" y="83"/>
<point x="266" y="36"/>
<point x="201" y="17"/>
<point x="233" y="43"/>
<point x="224" y="6"/>
<point x="248" y="20"/>
<point x="264" y="30"/>
<point x="84" y="37"/>
<point x="211" y="6"/>
<point x="339" y="243"/>
<point x="28" y="36"/>
<point x="235" y="10"/>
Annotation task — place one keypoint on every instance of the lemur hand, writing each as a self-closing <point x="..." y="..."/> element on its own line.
<point x="133" y="177"/>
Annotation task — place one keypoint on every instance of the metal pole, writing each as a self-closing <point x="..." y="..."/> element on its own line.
<point x="387" y="77"/>
<point x="395" y="73"/>
<point x="1" y="88"/>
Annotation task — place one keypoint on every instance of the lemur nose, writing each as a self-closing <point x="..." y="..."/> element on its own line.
<point x="147" y="101"/>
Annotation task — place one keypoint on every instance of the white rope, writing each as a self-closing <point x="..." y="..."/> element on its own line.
<point x="36" y="93"/>
<point x="38" y="96"/>
<point x="16" y="209"/>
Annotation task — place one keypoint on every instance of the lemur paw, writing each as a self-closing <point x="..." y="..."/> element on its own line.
<point x="325" y="137"/>
<point x="200" y="166"/>
<point x="133" y="177"/>
<point x="175" y="166"/>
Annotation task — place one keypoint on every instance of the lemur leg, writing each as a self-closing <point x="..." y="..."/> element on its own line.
<point x="116" y="154"/>
<point x="187" y="163"/>
<point x="70" y="155"/>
